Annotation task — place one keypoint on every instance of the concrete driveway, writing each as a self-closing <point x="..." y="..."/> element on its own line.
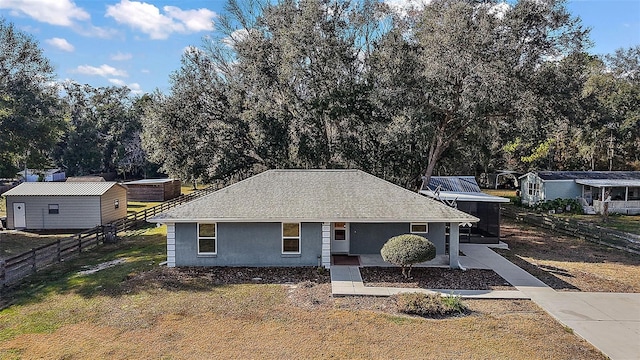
<point x="609" y="321"/>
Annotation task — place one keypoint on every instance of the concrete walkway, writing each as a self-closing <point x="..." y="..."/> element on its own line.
<point x="609" y="321"/>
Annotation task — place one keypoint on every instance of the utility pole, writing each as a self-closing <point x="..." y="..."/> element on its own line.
<point x="610" y="151"/>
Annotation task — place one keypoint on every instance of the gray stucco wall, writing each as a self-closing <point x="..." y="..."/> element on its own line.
<point x="249" y="244"/>
<point x="368" y="238"/>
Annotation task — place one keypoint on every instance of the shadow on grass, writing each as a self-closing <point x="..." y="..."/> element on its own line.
<point x="546" y="274"/>
<point x="543" y="244"/>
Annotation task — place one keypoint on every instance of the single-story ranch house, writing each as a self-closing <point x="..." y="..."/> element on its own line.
<point x="65" y="205"/>
<point x="301" y="218"/>
<point x="463" y="193"/>
<point x="589" y="187"/>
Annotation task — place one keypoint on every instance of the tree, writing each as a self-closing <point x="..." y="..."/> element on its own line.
<point x="406" y="250"/>
<point x="104" y="127"/>
<point x="28" y="103"/>
<point x="475" y="60"/>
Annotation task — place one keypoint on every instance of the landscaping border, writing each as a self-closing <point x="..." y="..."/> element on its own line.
<point x="617" y="239"/>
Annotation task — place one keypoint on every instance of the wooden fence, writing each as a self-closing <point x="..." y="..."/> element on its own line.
<point x="584" y="230"/>
<point x="15" y="268"/>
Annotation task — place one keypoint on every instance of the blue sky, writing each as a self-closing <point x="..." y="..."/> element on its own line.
<point x="138" y="44"/>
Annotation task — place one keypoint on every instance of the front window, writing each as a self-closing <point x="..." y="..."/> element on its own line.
<point x="207" y="243"/>
<point x="291" y="238"/>
<point x="419" y="228"/>
<point x="54" y="209"/>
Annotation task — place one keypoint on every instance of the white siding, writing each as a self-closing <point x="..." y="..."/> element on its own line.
<point x="75" y="212"/>
<point x="107" y="204"/>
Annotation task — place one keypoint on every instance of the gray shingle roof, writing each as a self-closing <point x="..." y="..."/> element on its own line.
<point x="314" y="195"/>
<point x="61" y="189"/>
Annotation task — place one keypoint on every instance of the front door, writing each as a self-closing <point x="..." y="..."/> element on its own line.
<point x="19" y="216"/>
<point x="339" y="238"/>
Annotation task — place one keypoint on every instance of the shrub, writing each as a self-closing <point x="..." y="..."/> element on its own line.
<point x="406" y="250"/>
<point x="428" y="304"/>
<point x="572" y="206"/>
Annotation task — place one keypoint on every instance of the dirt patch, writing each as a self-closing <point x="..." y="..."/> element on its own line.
<point x="435" y="278"/>
<point x="568" y="263"/>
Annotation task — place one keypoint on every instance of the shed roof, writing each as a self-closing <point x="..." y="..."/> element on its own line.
<point x="148" y="181"/>
<point x="314" y="195"/>
<point x="61" y="189"/>
<point x="453" y="183"/>
<point x="459" y="188"/>
<point x="596" y="175"/>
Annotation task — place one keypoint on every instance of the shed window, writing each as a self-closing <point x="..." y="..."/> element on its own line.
<point x="54" y="209"/>
<point x="116" y="203"/>
<point x="419" y="228"/>
<point x="291" y="238"/>
<point x="207" y="240"/>
<point x="534" y="188"/>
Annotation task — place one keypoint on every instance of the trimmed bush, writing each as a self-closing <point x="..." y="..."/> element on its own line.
<point x="406" y="250"/>
<point x="429" y="305"/>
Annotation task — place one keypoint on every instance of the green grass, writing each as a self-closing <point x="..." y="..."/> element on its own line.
<point x="12" y="244"/>
<point x="137" y="206"/>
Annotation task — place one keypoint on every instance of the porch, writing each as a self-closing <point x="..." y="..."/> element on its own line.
<point x="624" y="195"/>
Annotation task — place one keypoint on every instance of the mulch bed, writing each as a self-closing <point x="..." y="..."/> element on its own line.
<point x="434" y="278"/>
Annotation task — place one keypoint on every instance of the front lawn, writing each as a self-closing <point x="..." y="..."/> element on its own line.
<point x="137" y="309"/>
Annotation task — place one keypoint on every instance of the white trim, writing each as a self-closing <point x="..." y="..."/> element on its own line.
<point x="326" y="244"/>
<point x="214" y="238"/>
<point x="426" y="224"/>
<point x="469" y="219"/>
<point x="171" y="245"/>
<point x="299" y="237"/>
<point x="454" y="246"/>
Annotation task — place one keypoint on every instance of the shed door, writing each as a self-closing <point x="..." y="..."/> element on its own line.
<point x="19" y="216"/>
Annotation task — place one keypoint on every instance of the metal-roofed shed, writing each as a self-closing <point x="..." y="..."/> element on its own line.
<point x="62" y="205"/>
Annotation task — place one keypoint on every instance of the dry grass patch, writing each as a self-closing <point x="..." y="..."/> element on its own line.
<point x="271" y="322"/>
<point x="569" y="263"/>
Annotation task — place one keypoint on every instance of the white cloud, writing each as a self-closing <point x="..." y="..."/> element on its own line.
<point x="402" y="6"/>
<point x="121" y="56"/>
<point x="134" y="87"/>
<point x="236" y="37"/>
<point x="499" y="10"/>
<point x="57" y="12"/>
<point x="148" y="19"/>
<point x="103" y="70"/>
<point x="194" y="20"/>
<point x="145" y="71"/>
<point x="61" y="44"/>
<point x="117" y="82"/>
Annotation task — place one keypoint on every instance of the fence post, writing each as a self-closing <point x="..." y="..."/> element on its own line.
<point x="79" y="243"/>
<point x="34" y="267"/>
<point x="59" y="256"/>
<point x="3" y="273"/>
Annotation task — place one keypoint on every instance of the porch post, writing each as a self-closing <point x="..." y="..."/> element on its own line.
<point x="171" y="245"/>
<point x="454" y="246"/>
<point x="326" y="244"/>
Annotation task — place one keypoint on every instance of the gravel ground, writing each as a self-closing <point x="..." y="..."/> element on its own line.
<point x="435" y="278"/>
